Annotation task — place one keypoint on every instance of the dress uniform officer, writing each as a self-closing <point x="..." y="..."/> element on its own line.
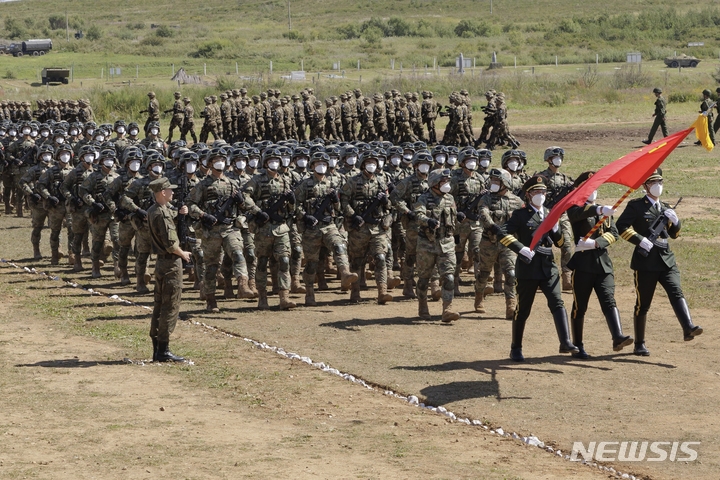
<point x="535" y="268"/>
<point x="593" y="269"/>
<point x="652" y="260"/>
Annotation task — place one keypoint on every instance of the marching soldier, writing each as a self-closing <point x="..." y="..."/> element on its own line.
<point x="178" y="116"/>
<point x="50" y="188"/>
<point x="367" y="126"/>
<point x="593" y="269"/>
<point x="226" y="112"/>
<point x="429" y="113"/>
<point x="153" y="111"/>
<point x="28" y="186"/>
<point x="652" y="260"/>
<point x="299" y="114"/>
<point x="188" y="121"/>
<point x="259" y="117"/>
<point x="126" y="232"/>
<point x="75" y="203"/>
<point x="707" y="106"/>
<point x="659" y="114"/>
<point x="436" y="215"/>
<point x="317" y="120"/>
<point x="331" y="132"/>
<point x="535" y="268"/>
<point x="489" y="119"/>
<point x="17" y="157"/>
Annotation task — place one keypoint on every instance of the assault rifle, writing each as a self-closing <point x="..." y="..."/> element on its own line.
<point x="182" y="227"/>
<point x="370" y="209"/>
<point x="223" y="206"/>
<point x="558" y="195"/>
<point x="471" y="205"/>
<point x="322" y="208"/>
<point x="657" y="230"/>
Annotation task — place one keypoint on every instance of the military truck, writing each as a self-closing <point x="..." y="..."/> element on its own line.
<point x="30" y="47"/>
<point x="55" y="75"/>
<point x="682" y="61"/>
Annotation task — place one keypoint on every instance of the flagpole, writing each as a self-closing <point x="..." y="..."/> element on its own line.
<point x="602" y="219"/>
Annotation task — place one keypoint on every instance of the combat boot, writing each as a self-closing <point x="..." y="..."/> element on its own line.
<point x="201" y="289"/>
<point x="124" y="276"/>
<point x="77" y="264"/>
<point x="54" y="256"/>
<point x="116" y="269"/>
<point x="323" y="285"/>
<point x="448" y="314"/>
<point x="253" y="287"/>
<point x="155" y="348"/>
<point x="423" y="310"/>
<point x="295" y="286"/>
<point x="85" y="247"/>
<point x="262" y="300"/>
<point x="408" y="291"/>
<point x="479" y="305"/>
<point x="211" y="304"/>
<point x="310" y="295"/>
<point x="435" y="290"/>
<point x="36" y="251"/>
<point x="285" y="303"/>
<point x="457" y="286"/>
<point x="228" y="290"/>
<point x="392" y="281"/>
<point x="8" y="208"/>
<point x="71" y="259"/>
<point x="141" y="281"/>
<point x="510" y="306"/>
<point x="19" y="212"/>
<point x="347" y="278"/>
<point x="244" y="290"/>
<point x="96" y="269"/>
<point x="220" y="280"/>
<point x="355" y="293"/>
<point x="383" y="296"/>
<point x="165" y="355"/>
<point x="567" y="282"/>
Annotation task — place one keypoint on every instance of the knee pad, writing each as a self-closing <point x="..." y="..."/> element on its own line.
<point x="250" y="255"/>
<point x="410" y="261"/>
<point x="422" y="284"/>
<point x="55" y="235"/>
<point x="237" y="257"/>
<point x="283" y="264"/>
<point x="510" y="273"/>
<point x="357" y="263"/>
<point x="143" y="257"/>
<point x="262" y="264"/>
<point x="311" y="268"/>
<point x="449" y="282"/>
<point x="379" y="259"/>
<point x="340" y="249"/>
<point x="296" y="253"/>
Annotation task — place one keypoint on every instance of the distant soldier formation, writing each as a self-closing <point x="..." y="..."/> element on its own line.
<point x="271" y="208"/>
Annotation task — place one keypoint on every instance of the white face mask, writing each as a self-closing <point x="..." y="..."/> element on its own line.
<point x="395" y="160"/>
<point x="134" y="166"/>
<point x="46" y="157"/>
<point x="371" y="167"/>
<point x="219" y="165"/>
<point x="134" y="132"/>
<point x="240" y="164"/>
<point x="332" y="163"/>
<point x="471" y="164"/>
<point x="452" y="161"/>
<point x="156" y="169"/>
<point x="381" y="164"/>
<point x="190" y="167"/>
<point x="108" y="163"/>
<point x="273" y="164"/>
<point x="65" y="157"/>
<point x="423" y="168"/>
<point x="73" y="131"/>
<point x="440" y="159"/>
<point x="154" y="131"/>
<point x="351" y="160"/>
<point x="301" y="162"/>
<point x="512" y="165"/>
<point x="445" y="187"/>
<point x="494" y="187"/>
<point x="285" y="161"/>
<point x="557" y="161"/>
<point x="100" y="138"/>
<point x="407" y="157"/>
<point x="44" y="134"/>
<point x="253" y="162"/>
<point x="90" y="131"/>
<point x="538" y="199"/>
<point x="592" y="196"/>
<point x="321" y="168"/>
<point x="33" y="133"/>
<point x="26" y="131"/>
<point x="97" y="155"/>
<point x="484" y="163"/>
<point x="656" y="189"/>
<point x="120" y="130"/>
<point x="59" y="140"/>
<point x="89" y="158"/>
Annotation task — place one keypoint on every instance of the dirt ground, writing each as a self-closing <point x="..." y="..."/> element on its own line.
<point x="73" y="408"/>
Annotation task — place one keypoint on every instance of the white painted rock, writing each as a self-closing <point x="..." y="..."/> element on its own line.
<point x="413" y="400"/>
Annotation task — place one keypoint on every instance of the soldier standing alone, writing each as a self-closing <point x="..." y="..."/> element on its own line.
<point x="660" y="112"/>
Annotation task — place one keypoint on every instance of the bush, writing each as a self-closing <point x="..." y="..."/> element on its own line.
<point x="209" y="49"/>
<point x="9" y="75"/>
<point x="630" y="77"/>
<point x="681" y="97"/>
<point x="163" y="31"/>
<point x="14" y="29"/>
<point x="152" y="41"/>
<point x="93" y="33"/>
<point x="472" y="28"/>
<point x="136" y="26"/>
<point x="57" y="22"/>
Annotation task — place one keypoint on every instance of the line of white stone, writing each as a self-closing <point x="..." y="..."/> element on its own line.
<point x="411" y="399"/>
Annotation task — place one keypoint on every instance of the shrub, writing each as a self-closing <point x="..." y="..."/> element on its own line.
<point x="472" y="28"/>
<point x="152" y="41"/>
<point x="164" y="31"/>
<point x="209" y="49"/>
<point x="57" y="22"/>
<point x="9" y="75"/>
<point x="677" y="97"/>
<point x="93" y="33"/>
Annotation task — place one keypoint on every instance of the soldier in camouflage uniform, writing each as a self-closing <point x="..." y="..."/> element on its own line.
<point x="365" y="205"/>
<point x="153" y="111"/>
<point x="559" y="185"/>
<point x="317" y="121"/>
<point x="659" y="115"/>
<point x="278" y="122"/>
<point x="216" y="202"/>
<point x="28" y="186"/>
<point x="299" y="115"/>
<point x="380" y="118"/>
<point x="178" y="115"/>
<point x="50" y="188"/>
<point x="494" y="210"/>
<point x="429" y="111"/>
<point x="186" y="180"/>
<point x="403" y="128"/>
<point x="436" y="215"/>
<point x="74" y="202"/>
<point x="130" y="171"/>
<point x="209" y="125"/>
<point x="270" y="201"/>
<point x="467" y="187"/>
<point x="17" y="156"/>
<point x="289" y="111"/>
<point x="97" y="193"/>
<point x="226" y="109"/>
<point x="367" y="126"/>
<point x="317" y="205"/>
<point x="514" y="161"/>
<point x="267" y="115"/>
<point x="331" y="132"/>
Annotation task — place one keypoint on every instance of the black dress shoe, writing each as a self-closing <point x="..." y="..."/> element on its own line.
<point x="646" y="142"/>
<point x="620" y="343"/>
<point x="567" y="347"/>
<point x="641" y="350"/>
<point x="693" y="332"/>
<point x="581" y="353"/>
<point x="516" y="354"/>
<point x="165" y="355"/>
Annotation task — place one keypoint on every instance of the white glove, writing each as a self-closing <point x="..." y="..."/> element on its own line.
<point x="556" y="227"/>
<point x="583" y="245"/>
<point x="605" y="210"/>
<point x="646" y="244"/>
<point x="527" y="253"/>
<point x="672" y="216"/>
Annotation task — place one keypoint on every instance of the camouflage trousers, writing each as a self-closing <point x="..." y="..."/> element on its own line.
<point x="568" y="248"/>
<point x="79" y="226"/>
<point x="490" y="253"/>
<point x="126" y="232"/>
<point x="99" y="229"/>
<point x="167" y="296"/>
<point x="175" y="122"/>
<point x="468" y="239"/>
<point x="56" y="216"/>
<point x="39" y="216"/>
<point x="411" y="242"/>
<point x="439" y="254"/>
<point x="188" y="127"/>
<point x="214" y="244"/>
<point x="275" y="248"/>
<point x="362" y="243"/>
<point x="313" y="241"/>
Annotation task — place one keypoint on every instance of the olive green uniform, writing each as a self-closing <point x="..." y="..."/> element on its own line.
<point x="659" y="122"/>
<point x="50" y="188"/>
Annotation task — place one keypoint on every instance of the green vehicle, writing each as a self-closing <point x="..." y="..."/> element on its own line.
<point x="682" y="61"/>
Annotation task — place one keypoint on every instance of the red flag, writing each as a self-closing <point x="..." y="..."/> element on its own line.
<point x="631" y="170"/>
